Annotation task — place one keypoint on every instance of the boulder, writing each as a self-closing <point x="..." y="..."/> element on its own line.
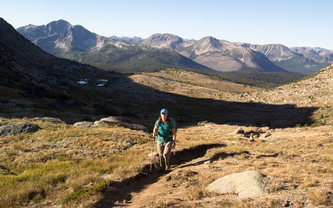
<point x="245" y="184"/>
<point x="84" y="124"/>
<point x="120" y="121"/>
<point x="14" y="128"/>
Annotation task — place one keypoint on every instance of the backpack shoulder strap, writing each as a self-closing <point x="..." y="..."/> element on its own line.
<point x="173" y="121"/>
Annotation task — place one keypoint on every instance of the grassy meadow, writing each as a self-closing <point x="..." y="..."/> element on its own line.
<point x="61" y="164"/>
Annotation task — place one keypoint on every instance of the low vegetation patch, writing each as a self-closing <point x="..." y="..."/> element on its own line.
<point x="61" y="164"/>
<point x="261" y="79"/>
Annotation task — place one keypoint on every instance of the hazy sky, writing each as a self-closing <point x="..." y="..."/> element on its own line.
<point x="288" y="22"/>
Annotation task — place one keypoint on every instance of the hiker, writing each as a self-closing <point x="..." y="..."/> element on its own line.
<point x="165" y="131"/>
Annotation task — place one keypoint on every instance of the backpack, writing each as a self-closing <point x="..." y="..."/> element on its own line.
<point x="174" y="122"/>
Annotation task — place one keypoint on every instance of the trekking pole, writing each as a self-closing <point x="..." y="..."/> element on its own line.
<point x="151" y="155"/>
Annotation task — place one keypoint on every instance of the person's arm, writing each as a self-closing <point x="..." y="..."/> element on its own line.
<point x="173" y="130"/>
<point x="155" y="131"/>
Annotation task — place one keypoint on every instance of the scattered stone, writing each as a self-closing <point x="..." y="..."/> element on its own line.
<point x="84" y="124"/>
<point x="14" y="128"/>
<point x="152" y="154"/>
<point x="286" y="203"/>
<point x="239" y="130"/>
<point x="267" y="135"/>
<point x="251" y="137"/>
<point x="245" y="184"/>
<point x="207" y="162"/>
<point x="263" y="129"/>
<point x="202" y="123"/>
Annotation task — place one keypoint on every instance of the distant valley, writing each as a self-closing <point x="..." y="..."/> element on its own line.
<point x="161" y="51"/>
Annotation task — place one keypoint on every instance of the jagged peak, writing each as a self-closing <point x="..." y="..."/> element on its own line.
<point x="60" y="21"/>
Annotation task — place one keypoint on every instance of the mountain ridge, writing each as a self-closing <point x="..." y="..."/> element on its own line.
<point x="79" y="44"/>
<point x="232" y="57"/>
<point x="27" y="67"/>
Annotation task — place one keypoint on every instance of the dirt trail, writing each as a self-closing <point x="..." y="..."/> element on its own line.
<point x="140" y="190"/>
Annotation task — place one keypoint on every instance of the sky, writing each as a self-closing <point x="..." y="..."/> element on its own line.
<point x="291" y="23"/>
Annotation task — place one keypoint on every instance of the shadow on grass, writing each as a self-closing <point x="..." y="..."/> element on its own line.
<point x="123" y="97"/>
<point x="190" y="111"/>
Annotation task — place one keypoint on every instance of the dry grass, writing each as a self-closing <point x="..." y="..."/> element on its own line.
<point x="191" y="84"/>
<point x="61" y="164"/>
<point x="70" y="166"/>
<point x="196" y="79"/>
<point x="66" y="165"/>
<point x="298" y="165"/>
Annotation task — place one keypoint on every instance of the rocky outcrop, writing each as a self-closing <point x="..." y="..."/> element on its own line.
<point x="84" y="124"/>
<point x="120" y="121"/>
<point x="113" y="121"/>
<point x="14" y="128"/>
<point x="252" y="134"/>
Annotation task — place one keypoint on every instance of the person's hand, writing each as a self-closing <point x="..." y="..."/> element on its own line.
<point x="173" y="145"/>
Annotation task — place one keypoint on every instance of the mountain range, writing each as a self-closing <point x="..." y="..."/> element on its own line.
<point x="35" y="73"/>
<point x="76" y="43"/>
<point x="161" y="51"/>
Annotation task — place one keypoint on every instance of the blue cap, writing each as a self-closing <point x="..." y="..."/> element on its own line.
<point x="164" y="111"/>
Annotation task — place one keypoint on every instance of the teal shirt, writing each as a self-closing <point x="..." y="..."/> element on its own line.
<point x="165" y="129"/>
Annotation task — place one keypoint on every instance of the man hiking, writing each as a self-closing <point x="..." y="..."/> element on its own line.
<point x="165" y="131"/>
